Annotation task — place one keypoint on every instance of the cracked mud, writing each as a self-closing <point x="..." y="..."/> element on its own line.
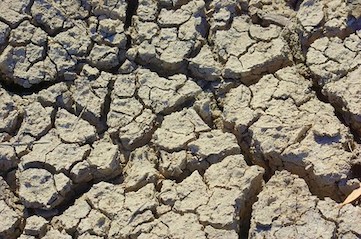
<point x="179" y="118"/>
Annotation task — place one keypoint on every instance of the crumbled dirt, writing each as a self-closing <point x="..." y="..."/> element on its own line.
<point x="179" y="118"/>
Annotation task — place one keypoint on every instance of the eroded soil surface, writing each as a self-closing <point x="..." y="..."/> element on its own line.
<point x="179" y="118"/>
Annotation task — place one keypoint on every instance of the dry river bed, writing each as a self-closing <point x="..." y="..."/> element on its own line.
<point x="179" y="119"/>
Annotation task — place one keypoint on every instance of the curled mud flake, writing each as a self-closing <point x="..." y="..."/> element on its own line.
<point x="291" y="151"/>
<point x="248" y="51"/>
<point x="236" y="181"/>
<point x="105" y="57"/>
<point x="141" y="168"/>
<point x="174" y="222"/>
<point x="204" y="65"/>
<point x="336" y="68"/>
<point x="105" y="159"/>
<point x="135" y="215"/>
<point x="33" y="124"/>
<point x="344" y="95"/>
<point x="214" y="145"/>
<point x="178" y="34"/>
<point x="13" y="12"/>
<point x="164" y="95"/>
<point x="178" y="129"/>
<point x="72" y="216"/>
<point x="73" y="129"/>
<point x="11" y="211"/>
<point x="347" y="223"/>
<point x="265" y="58"/>
<point x="186" y="196"/>
<point x="234" y="41"/>
<point x="277" y="142"/>
<point x="310" y="14"/>
<point x="213" y="233"/>
<point x="75" y="41"/>
<point x="89" y="93"/>
<point x="147" y="10"/>
<point x="172" y="164"/>
<point x="222" y="13"/>
<point x="322" y="18"/>
<point x="56" y="95"/>
<point x="8" y="157"/>
<point x="340" y="59"/>
<point x="109" y="32"/>
<point x="276" y="212"/>
<point x="279" y="9"/>
<point x="54" y="154"/>
<point x="52" y="233"/>
<point x="139" y="131"/>
<point x="169" y="18"/>
<point x="9" y="112"/>
<point x="35" y="226"/>
<point x="112" y="9"/>
<point x="96" y="223"/>
<point x="270" y="210"/>
<point x="17" y="66"/>
<point x="5" y="31"/>
<point x="123" y="111"/>
<point x="41" y="189"/>
<point x="237" y="115"/>
<point x="50" y="16"/>
<point x="264" y="33"/>
<point x="206" y="196"/>
<point x="27" y="33"/>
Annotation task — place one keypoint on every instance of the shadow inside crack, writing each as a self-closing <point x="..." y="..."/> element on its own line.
<point x="356" y="171"/>
<point x="132" y="6"/>
<point x="16" y="89"/>
<point x="354" y="23"/>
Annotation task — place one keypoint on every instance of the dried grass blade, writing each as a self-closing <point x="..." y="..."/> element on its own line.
<point x="352" y="197"/>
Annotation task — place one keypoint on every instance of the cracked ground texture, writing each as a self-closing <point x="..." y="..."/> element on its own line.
<point x="179" y="118"/>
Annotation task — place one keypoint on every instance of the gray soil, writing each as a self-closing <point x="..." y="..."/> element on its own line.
<point x="179" y="119"/>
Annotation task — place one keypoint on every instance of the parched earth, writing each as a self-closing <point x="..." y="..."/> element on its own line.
<point x="179" y="118"/>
